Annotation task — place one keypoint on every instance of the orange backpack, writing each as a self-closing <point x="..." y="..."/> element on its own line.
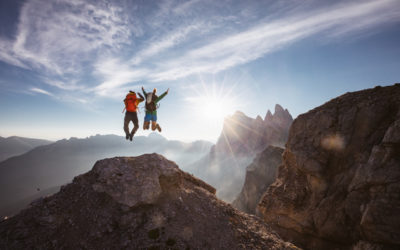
<point x="130" y="102"/>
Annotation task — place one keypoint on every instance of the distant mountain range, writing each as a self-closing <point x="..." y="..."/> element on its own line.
<point x="14" y="145"/>
<point x="241" y="139"/>
<point x="45" y="168"/>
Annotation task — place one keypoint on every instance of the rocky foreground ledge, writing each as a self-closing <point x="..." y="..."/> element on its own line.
<point x="143" y="202"/>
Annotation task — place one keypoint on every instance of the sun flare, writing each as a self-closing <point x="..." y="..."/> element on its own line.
<point x="213" y="103"/>
<point x="214" y="108"/>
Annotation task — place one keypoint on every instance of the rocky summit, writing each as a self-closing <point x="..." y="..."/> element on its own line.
<point x="143" y="202"/>
<point x="259" y="175"/>
<point x="339" y="184"/>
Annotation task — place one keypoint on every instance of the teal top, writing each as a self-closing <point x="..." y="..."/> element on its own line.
<point x="155" y="101"/>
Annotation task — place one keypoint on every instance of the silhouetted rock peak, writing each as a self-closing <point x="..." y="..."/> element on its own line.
<point x="243" y="135"/>
<point x="268" y="116"/>
<point x="339" y="184"/>
<point x="239" y="114"/>
<point x="279" y="109"/>
<point x="143" y="202"/>
<point x="280" y="118"/>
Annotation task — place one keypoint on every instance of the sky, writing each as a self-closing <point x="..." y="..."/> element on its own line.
<point x="66" y="65"/>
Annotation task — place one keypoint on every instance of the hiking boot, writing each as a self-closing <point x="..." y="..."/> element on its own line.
<point x="127" y="136"/>
<point x="158" y="128"/>
<point x="130" y="137"/>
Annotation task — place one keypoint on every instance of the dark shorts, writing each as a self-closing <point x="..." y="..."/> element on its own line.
<point x="131" y="116"/>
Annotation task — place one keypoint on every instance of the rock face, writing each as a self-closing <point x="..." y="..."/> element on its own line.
<point x="142" y="202"/>
<point x="339" y="184"/>
<point x="260" y="174"/>
<point x="241" y="139"/>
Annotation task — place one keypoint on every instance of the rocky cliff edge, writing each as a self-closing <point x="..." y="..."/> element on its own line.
<point x="339" y="184"/>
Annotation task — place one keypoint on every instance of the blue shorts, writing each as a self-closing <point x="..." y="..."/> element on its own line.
<point x="150" y="117"/>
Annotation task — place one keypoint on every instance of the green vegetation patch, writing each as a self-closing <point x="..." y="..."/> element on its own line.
<point x="154" y="233"/>
<point x="170" y="242"/>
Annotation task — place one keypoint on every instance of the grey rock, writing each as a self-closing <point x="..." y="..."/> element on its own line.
<point x="339" y="184"/>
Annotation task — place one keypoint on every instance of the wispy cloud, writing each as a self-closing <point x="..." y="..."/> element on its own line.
<point x="41" y="91"/>
<point x="256" y="42"/>
<point x="169" y="41"/>
<point x="57" y="36"/>
<point x="102" y="47"/>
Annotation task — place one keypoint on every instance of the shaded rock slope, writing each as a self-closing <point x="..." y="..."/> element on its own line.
<point x="241" y="139"/>
<point x="143" y="202"/>
<point x="260" y="174"/>
<point x="339" y="184"/>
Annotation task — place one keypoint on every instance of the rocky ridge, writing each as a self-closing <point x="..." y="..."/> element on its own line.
<point x="261" y="173"/>
<point x="143" y="202"/>
<point x="339" y="184"/>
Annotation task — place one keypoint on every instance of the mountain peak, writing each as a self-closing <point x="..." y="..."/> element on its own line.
<point x="239" y="114"/>
<point x="141" y="180"/>
<point x="278" y="109"/>
<point x="268" y="116"/>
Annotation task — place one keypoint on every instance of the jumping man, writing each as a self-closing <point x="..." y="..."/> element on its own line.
<point x="151" y="109"/>
<point x="131" y="104"/>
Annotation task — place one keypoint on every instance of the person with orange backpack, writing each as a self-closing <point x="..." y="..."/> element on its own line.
<point x="131" y="104"/>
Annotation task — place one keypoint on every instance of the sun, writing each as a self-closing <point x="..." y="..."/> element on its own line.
<point x="215" y="108"/>
<point x="213" y="102"/>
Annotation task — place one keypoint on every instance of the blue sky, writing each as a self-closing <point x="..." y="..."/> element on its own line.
<point x="65" y="66"/>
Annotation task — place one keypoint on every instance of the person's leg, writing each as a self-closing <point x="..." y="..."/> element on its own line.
<point x="153" y="125"/>
<point x="135" y="125"/>
<point x="158" y="127"/>
<point x="146" y="123"/>
<point x="126" y="125"/>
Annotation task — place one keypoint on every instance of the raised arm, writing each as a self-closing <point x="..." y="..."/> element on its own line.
<point x="144" y="92"/>
<point x="162" y="96"/>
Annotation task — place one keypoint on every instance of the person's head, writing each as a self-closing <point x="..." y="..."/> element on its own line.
<point x="132" y="92"/>
<point x="154" y="90"/>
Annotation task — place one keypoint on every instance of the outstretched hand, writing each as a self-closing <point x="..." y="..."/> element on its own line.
<point x="167" y="90"/>
<point x="142" y="88"/>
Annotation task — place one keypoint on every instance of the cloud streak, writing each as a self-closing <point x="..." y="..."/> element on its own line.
<point x="41" y="91"/>
<point x="57" y="36"/>
<point x="101" y="47"/>
<point x="256" y="42"/>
